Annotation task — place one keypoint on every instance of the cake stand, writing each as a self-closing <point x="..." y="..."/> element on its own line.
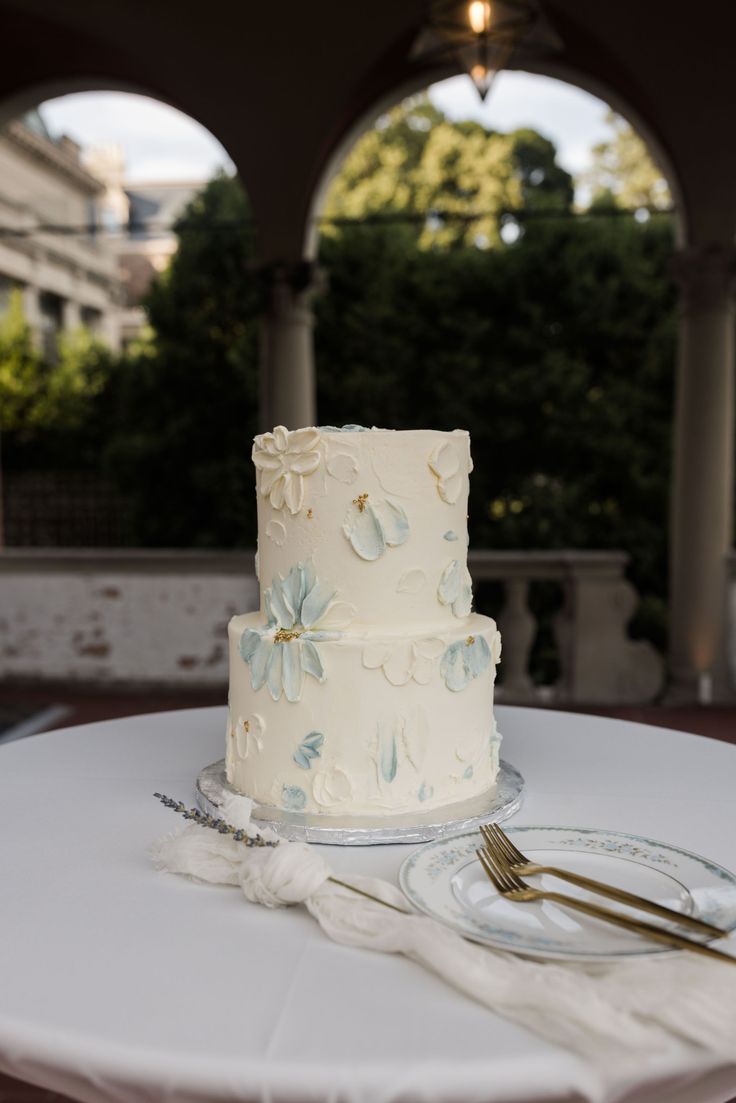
<point x="497" y="804"/>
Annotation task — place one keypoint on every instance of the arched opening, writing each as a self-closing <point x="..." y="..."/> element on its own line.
<point x="121" y="318"/>
<point x="480" y="276"/>
<point x="556" y="89"/>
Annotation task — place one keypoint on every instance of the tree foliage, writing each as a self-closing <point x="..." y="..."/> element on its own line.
<point x="38" y="396"/>
<point x="454" y="179"/>
<point x="556" y="353"/>
<point x="186" y="404"/>
<point x="623" y="172"/>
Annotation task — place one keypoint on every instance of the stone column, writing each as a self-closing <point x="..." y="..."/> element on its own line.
<point x="71" y="315"/>
<point x="108" y="327"/>
<point x="287" y="351"/>
<point x="702" y="488"/>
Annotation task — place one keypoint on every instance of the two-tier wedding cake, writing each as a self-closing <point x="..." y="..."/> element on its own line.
<point x="364" y="686"/>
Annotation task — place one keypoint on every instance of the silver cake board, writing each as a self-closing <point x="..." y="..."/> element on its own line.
<point x="497" y="804"/>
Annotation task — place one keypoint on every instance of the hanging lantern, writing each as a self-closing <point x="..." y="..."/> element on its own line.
<point x="482" y="36"/>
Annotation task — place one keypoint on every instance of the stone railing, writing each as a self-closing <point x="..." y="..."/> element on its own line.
<point x="160" y="617"/>
<point x="598" y="663"/>
<point x="121" y="617"/>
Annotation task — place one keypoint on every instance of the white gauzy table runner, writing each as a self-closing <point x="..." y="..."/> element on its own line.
<point x="118" y="981"/>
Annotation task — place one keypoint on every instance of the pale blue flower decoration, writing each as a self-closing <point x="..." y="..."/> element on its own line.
<point x="373" y="526"/>
<point x="389" y="759"/>
<point x="309" y="748"/>
<point x="456" y="588"/>
<point x="463" y="661"/>
<point x="426" y="792"/>
<point x="344" y="429"/>
<point x="450" y="535"/>
<point x="293" y="798"/>
<point x="301" y="612"/>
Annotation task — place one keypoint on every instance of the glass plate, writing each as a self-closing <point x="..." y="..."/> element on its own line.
<point x="445" y="880"/>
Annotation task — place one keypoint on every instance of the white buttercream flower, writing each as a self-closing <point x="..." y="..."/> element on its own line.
<point x="404" y="660"/>
<point x="411" y="581"/>
<point x="472" y="745"/>
<point x="243" y="739"/>
<point x="446" y="465"/>
<point x="282" y="460"/>
<point x="331" y="787"/>
<point x="249" y="735"/>
<point x="343" y="467"/>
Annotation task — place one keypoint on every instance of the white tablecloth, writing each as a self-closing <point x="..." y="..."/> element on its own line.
<point x="118" y="982"/>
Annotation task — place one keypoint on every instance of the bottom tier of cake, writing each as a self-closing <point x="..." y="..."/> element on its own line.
<point x="358" y="724"/>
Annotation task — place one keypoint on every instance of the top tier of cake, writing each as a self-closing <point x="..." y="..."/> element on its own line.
<point x="378" y="517"/>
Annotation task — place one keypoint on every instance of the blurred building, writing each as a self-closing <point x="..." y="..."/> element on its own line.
<point x="50" y="247"/>
<point x="141" y="219"/>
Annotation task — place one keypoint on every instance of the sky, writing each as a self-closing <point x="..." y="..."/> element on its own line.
<point x="159" y="142"/>
<point x="162" y="144"/>
<point x="574" y="120"/>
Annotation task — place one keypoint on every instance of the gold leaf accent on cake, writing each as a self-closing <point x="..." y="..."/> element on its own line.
<point x="470" y="640"/>
<point x="310" y="514"/>
<point x="360" y="501"/>
<point x="285" y="635"/>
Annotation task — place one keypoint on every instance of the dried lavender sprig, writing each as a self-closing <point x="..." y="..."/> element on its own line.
<point x="205" y="820"/>
<point x="219" y="825"/>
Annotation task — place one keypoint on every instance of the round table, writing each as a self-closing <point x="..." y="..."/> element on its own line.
<point x="119" y="982"/>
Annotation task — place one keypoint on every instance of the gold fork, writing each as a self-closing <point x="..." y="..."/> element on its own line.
<point x="511" y="856"/>
<point x="513" y="888"/>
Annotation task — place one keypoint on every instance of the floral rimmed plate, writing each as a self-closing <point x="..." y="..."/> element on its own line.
<point x="445" y="880"/>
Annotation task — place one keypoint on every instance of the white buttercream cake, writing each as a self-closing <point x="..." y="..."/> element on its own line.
<point x="364" y="685"/>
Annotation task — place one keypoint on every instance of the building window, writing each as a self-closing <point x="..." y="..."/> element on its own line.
<point x="51" y="311"/>
<point x="91" y="319"/>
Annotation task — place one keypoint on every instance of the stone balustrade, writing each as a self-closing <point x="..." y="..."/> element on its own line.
<point x="159" y="617"/>
<point x="598" y="662"/>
